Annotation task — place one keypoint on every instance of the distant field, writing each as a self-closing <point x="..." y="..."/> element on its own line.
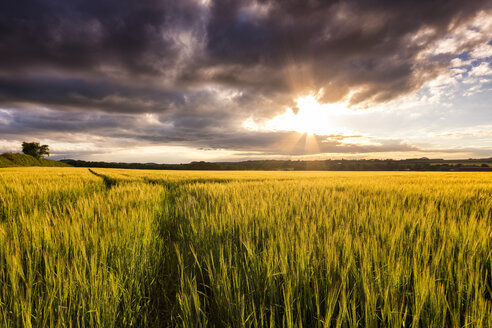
<point x="122" y="248"/>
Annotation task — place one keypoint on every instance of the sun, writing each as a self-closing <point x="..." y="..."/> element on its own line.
<point x="312" y="117"/>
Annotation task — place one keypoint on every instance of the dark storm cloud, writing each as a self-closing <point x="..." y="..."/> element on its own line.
<point x="72" y="93"/>
<point x="338" y="45"/>
<point x="80" y="34"/>
<point x="203" y="68"/>
<point x="45" y="123"/>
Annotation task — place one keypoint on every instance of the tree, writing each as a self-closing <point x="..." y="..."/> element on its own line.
<point x="35" y="149"/>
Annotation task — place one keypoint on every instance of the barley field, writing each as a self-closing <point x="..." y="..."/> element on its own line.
<point x="128" y="248"/>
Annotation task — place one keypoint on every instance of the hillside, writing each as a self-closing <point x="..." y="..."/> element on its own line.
<point x="11" y="159"/>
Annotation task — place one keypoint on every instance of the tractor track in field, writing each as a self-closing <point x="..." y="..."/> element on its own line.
<point x="108" y="182"/>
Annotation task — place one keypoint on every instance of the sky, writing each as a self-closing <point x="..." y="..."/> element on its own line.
<point x="229" y="80"/>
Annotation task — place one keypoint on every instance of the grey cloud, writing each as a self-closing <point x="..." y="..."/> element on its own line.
<point x="80" y="35"/>
<point x="110" y="132"/>
<point x="341" y="45"/>
<point x="264" y="47"/>
<point x="202" y="70"/>
<point x="129" y="130"/>
<point x="70" y="93"/>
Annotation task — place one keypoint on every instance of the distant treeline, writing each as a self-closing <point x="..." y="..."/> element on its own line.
<point x="421" y="164"/>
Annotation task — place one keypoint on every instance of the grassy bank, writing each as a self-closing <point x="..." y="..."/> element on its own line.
<point x="13" y="160"/>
